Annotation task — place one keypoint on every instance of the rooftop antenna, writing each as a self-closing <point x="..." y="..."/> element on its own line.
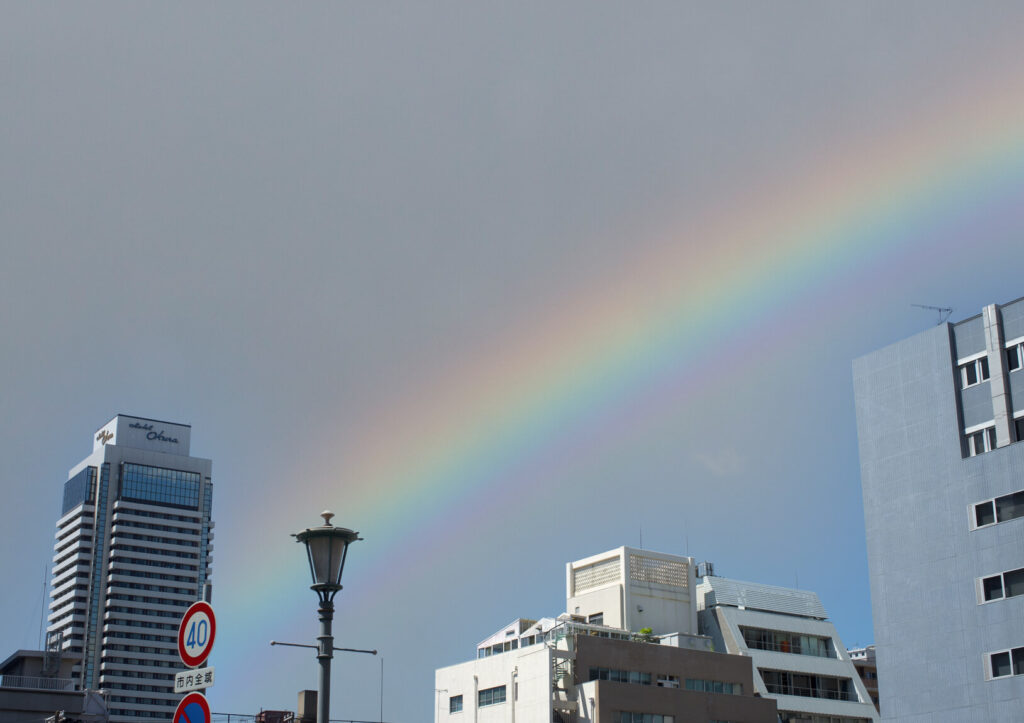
<point x="641" y="537"/>
<point x="944" y="312"/>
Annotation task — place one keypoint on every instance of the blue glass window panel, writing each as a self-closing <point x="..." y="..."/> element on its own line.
<point x="173" y="487"/>
<point x="80" y="488"/>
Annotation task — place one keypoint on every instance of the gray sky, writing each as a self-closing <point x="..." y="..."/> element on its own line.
<point x="276" y="222"/>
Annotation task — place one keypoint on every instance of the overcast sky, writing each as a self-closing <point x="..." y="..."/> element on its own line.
<point x="302" y="227"/>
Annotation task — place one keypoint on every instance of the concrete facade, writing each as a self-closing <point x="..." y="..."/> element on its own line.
<point x="585" y="673"/>
<point x="593" y="665"/>
<point x="633" y="589"/>
<point x="798" y="658"/>
<point x="672" y="692"/>
<point x="133" y="551"/>
<point x="938" y="419"/>
<point x="523" y="678"/>
<point x="36" y="685"/>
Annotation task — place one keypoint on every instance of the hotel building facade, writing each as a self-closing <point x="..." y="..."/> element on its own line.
<point x="133" y="551"/>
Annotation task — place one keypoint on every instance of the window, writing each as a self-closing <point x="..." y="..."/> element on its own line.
<point x="714" y="686"/>
<point x="982" y="441"/>
<point x="626" y="717"/>
<point x="620" y="676"/>
<point x="79" y="489"/>
<point x="142" y="483"/>
<point x="455" y="704"/>
<point x="984" y="513"/>
<point x="784" y="682"/>
<point x="783" y="642"/>
<point x="1006" y="662"/>
<point x="596" y="619"/>
<point x="491" y="696"/>
<point x="789" y="716"/>
<point x="1015" y="357"/>
<point x="1018" y="428"/>
<point x="1007" y="584"/>
<point x="974" y="372"/>
<point x="992" y="588"/>
<point x="1010" y="507"/>
<point x="1001" y="509"/>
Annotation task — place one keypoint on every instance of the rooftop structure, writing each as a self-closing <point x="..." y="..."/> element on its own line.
<point x="633" y="589"/>
<point x="35" y="685"/>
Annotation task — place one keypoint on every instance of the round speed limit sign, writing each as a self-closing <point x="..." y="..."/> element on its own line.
<point x="196" y="633"/>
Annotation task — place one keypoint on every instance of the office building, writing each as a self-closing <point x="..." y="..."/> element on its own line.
<point x="939" y="416"/>
<point x="798" y="658"/>
<point x="133" y="551"/>
<point x="627" y="651"/>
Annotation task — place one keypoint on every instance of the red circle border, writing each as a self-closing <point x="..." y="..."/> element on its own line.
<point x="196" y="607"/>
<point x="194" y="696"/>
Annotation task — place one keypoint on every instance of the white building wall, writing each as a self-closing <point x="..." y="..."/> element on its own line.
<point x="634" y="589"/>
<point x="587" y="697"/>
<point x="525" y="673"/>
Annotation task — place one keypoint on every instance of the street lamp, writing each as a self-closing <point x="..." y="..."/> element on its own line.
<point x="326" y="548"/>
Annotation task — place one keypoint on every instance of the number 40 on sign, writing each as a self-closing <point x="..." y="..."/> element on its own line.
<point x="196" y="634"/>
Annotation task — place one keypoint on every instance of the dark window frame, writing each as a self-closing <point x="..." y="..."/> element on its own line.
<point x="997" y="510"/>
<point x="974" y="372"/>
<point x="491" y="696"/>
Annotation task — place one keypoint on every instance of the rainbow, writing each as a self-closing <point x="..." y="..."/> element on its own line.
<point x="614" y="360"/>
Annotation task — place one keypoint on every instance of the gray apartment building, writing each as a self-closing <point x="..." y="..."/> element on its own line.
<point x="133" y="550"/>
<point x="939" y="416"/>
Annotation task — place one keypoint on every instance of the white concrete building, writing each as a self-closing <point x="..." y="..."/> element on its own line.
<point x="592" y="665"/>
<point x="798" y="657"/>
<point x="133" y="551"/>
<point x="520" y="678"/>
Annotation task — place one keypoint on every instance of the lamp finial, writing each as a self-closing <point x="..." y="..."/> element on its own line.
<point x="327" y="515"/>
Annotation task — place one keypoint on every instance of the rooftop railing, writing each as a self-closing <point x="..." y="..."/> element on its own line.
<point x="36" y="683"/>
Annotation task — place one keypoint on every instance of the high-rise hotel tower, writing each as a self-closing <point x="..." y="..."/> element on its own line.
<point x="133" y="552"/>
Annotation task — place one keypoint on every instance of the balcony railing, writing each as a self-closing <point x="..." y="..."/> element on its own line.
<point x="35" y="683"/>
<point x="777" y="689"/>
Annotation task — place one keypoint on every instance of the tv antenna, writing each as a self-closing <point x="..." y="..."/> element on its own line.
<point x="944" y="312"/>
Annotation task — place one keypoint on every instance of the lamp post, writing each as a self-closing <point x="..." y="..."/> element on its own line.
<point x="326" y="548"/>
